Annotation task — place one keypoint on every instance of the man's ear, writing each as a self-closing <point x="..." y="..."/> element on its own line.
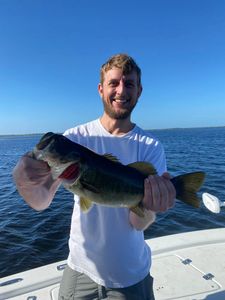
<point x="100" y="90"/>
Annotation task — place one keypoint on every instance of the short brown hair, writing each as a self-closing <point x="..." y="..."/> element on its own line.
<point x="121" y="61"/>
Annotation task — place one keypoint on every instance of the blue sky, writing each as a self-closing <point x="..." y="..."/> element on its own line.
<point x="51" y="52"/>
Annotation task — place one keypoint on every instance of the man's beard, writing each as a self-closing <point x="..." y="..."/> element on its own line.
<point x="122" y="114"/>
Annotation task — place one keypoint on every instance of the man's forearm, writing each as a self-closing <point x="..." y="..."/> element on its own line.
<point x="142" y="223"/>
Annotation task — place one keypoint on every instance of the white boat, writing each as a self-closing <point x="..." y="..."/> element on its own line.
<point x="185" y="266"/>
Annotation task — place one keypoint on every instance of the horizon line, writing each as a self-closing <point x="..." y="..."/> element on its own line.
<point x="172" y="128"/>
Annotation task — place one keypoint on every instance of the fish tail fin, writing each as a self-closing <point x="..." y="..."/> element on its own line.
<point x="187" y="185"/>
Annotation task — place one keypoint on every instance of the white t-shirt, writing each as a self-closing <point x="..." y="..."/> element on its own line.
<point x="103" y="244"/>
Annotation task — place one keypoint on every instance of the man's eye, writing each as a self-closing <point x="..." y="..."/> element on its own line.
<point x="129" y="84"/>
<point x="113" y="83"/>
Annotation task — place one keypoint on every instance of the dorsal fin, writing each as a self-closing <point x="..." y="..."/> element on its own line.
<point x="111" y="157"/>
<point x="144" y="167"/>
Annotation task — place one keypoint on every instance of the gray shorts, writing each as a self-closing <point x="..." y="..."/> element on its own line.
<point x="75" y="285"/>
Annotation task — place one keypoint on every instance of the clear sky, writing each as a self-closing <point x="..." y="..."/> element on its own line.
<point x="51" y="52"/>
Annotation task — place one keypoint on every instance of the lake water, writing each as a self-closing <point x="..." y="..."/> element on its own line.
<point x="29" y="239"/>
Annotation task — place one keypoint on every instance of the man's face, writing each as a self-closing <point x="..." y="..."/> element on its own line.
<point x="119" y="93"/>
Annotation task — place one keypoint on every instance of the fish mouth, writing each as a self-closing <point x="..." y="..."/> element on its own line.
<point x="71" y="173"/>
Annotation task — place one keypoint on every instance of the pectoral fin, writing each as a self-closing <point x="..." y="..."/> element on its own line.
<point x="85" y="204"/>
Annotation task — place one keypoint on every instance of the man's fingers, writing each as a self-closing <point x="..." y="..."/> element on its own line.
<point x="148" y="194"/>
<point x="171" y="192"/>
<point x="159" y="193"/>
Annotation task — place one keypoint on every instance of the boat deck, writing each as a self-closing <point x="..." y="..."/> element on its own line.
<point x="186" y="266"/>
<point x="190" y="265"/>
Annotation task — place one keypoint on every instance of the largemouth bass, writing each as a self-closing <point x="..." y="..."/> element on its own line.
<point x="102" y="179"/>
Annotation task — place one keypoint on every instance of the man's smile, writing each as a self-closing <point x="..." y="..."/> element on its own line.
<point x="120" y="100"/>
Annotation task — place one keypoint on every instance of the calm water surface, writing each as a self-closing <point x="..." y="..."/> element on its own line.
<point x="30" y="239"/>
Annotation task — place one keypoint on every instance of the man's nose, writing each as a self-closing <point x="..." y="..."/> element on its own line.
<point x="121" y="88"/>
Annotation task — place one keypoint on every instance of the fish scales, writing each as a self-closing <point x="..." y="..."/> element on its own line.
<point x="115" y="186"/>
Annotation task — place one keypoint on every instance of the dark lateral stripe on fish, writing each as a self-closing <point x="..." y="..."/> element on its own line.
<point x="70" y="173"/>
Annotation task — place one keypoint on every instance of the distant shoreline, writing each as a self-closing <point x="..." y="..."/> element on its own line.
<point x="24" y="134"/>
<point x="152" y="129"/>
<point x="184" y="128"/>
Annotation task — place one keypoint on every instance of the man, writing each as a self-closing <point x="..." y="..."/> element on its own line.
<point x="108" y="257"/>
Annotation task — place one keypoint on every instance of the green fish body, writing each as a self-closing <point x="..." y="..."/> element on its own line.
<point x="102" y="179"/>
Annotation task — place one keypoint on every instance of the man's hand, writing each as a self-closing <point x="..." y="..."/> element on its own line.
<point x="30" y="171"/>
<point x="159" y="196"/>
<point x="34" y="182"/>
<point x="159" y="193"/>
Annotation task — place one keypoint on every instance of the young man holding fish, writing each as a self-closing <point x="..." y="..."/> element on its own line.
<point x="108" y="257"/>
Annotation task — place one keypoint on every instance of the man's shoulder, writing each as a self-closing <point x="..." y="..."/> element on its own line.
<point x="146" y="136"/>
<point x="82" y="129"/>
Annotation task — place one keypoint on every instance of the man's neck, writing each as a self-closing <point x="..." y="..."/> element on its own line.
<point x="116" y="127"/>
